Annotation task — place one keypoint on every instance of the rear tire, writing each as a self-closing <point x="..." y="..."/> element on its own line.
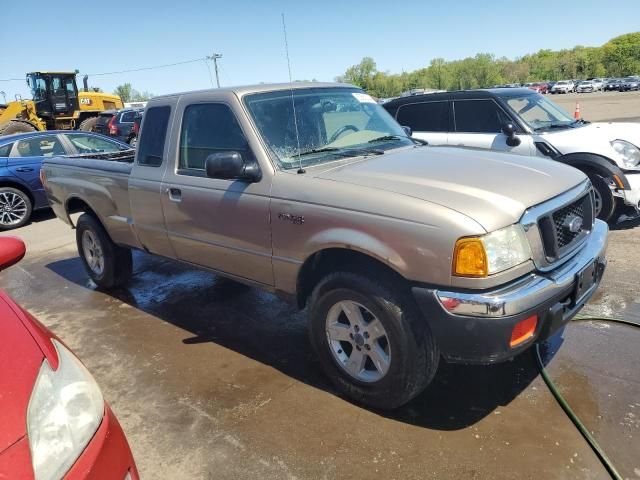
<point x="16" y="126"/>
<point x="88" y="124"/>
<point x="107" y="264"/>
<point x="15" y="208"/>
<point x="605" y="201"/>
<point x="400" y="354"/>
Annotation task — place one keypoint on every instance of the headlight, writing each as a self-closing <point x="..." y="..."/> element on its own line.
<point x="491" y="253"/>
<point x="629" y="153"/>
<point x="65" y="410"/>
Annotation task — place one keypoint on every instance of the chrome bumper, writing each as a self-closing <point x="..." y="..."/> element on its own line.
<point x="533" y="290"/>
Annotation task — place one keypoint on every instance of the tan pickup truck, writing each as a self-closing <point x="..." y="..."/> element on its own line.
<point x="402" y="253"/>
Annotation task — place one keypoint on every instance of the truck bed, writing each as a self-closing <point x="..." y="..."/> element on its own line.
<point x="99" y="181"/>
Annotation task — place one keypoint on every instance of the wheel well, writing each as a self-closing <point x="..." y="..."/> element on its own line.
<point x="590" y="163"/>
<point x="330" y="260"/>
<point x="75" y="205"/>
<point x="18" y="186"/>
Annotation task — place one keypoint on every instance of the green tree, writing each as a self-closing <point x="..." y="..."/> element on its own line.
<point x="124" y="91"/>
<point x="129" y="94"/>
<point x="618" y="57"/>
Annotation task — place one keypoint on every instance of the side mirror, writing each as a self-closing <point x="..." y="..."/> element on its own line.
<point x="510" y="131"/>
<point x="407" y="131"/>
<point x="229" y="166"/>
<point x="12" y="249"/>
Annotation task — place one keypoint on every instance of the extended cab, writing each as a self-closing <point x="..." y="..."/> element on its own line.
<point x="526" y="123"/>
<point x="402" y="252"/>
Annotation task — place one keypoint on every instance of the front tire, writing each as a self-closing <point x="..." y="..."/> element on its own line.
<point x="107" y="264"/>
<point x="15" y="208"/>
<point x="371" y="340"/>
<point x="605" y="201"/>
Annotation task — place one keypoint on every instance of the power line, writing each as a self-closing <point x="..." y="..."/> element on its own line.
<point x="147" y="68"/>
<point x="122" y="71"/>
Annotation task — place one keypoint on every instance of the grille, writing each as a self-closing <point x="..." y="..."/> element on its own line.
<point x="566" y="227"/>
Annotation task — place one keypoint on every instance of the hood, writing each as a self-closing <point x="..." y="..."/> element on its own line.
<point x="494" y="189"/>
<point x="20" y="361"/>
<point x="594" y="138"/>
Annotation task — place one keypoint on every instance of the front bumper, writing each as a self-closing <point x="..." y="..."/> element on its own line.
<point x="476" y="327"/>
<point x="107" y="456"/>
<point x="632" y="196"/>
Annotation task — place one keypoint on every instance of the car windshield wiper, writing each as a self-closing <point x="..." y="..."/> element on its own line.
<point x="334" y="150"/>
<point x="386" y="138"/>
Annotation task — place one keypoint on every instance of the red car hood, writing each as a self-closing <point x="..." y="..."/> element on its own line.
<point x="20" y="361"/>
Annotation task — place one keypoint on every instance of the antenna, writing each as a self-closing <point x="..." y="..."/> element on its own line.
<point x="293" y="102"/>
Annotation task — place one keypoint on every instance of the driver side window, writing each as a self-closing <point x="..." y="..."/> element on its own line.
<point x="208" y="128"/>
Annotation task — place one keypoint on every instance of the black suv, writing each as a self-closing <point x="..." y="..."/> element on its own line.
<point x="119" y="124"/>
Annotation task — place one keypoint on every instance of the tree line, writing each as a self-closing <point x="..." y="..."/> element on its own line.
<point x="618" y="57"/>
<point x="129" y="94"/>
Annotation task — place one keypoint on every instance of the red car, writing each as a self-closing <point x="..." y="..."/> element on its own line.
<point x="539" y="87"/>
<point x="54" y="422"/>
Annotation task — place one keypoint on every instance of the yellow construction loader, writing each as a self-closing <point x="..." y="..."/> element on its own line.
<point x="56" y="105"/>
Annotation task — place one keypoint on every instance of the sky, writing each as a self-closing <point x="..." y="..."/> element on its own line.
<point x="325" y="37"/>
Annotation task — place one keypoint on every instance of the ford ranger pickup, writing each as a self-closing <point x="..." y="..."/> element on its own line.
<point x="403" y="253"/>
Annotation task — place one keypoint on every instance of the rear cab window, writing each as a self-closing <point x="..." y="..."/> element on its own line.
<point x="425" y="116"/>
<point x="153" y="135"/>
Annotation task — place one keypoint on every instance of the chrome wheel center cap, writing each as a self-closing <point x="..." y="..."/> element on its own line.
<point x="358" y="339"/>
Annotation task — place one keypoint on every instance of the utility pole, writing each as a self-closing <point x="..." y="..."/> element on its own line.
<point x="215" y="58"/>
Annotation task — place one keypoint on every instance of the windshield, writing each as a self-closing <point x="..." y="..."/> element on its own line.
<point x="332" y="123"/>
<point x="540" y="113"/>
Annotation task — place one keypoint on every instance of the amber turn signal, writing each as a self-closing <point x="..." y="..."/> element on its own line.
<point x="523" y="330"/>
<point x="470" y="258"/>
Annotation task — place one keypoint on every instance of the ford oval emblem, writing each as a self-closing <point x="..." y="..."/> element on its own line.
<point x="573" y="223"/>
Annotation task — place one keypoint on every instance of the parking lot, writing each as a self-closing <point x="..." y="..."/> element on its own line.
<point x="602" y="106"/>
<point x="211" y="379"/>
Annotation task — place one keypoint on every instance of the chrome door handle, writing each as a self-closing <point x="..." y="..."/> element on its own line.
<point x="24" y="169"/>
<point x="175" y="194"/>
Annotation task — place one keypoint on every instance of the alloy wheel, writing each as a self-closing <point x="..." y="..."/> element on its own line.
<point x="358" y="341"/>
<point x="13" y="209"/>
<point x="598" y="201"/>
<point x="92" y="251"/>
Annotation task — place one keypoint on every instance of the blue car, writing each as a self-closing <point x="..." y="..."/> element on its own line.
<point x="21" y="156"/>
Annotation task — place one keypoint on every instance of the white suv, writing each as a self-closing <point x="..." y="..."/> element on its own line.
<point x="520" y="121"/>
<point x="563" y="86"/>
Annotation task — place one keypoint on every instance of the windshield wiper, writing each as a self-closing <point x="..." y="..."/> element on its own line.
<point x="311" y="151"/>
<point x="386" y="138"/>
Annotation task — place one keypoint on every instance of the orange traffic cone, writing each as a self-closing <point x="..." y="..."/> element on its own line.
<point x="576" y="114"/>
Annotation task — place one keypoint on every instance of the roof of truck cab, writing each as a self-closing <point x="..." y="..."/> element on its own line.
<point x="261" y="88"/>
<point x="462" y="94"/>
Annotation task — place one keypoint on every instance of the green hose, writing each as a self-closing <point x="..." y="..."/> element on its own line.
<point x="567" y="409"/>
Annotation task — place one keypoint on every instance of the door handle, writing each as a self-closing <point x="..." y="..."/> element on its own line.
<point x="24" y="169"/>
<point x="175" y="194"/>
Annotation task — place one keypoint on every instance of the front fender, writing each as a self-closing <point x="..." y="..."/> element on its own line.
<point x="598" y="164"/>
<point x="358" y="241"/>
